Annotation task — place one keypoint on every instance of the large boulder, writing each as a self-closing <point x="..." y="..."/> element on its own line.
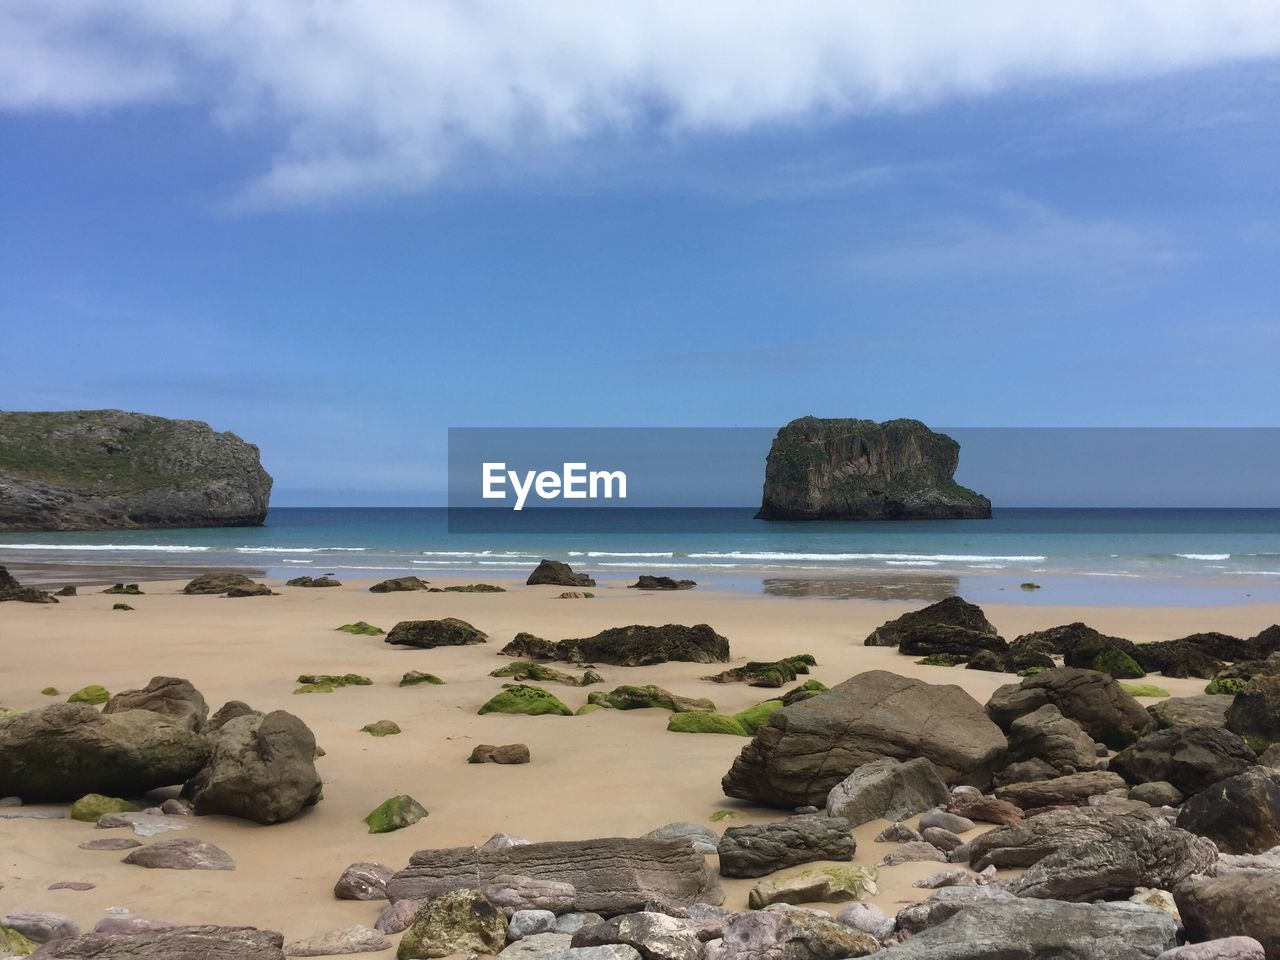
<point x="1134" y="851"/>
<point x="807" y="748"/>
<point x="1190" y="758"/>
<point x="1236" y="904"/>
<point x="399" y="585"/>
<point x="1255" y="712"/>
<point x="759" y="849"/>
<point x="63" y="751"/>
<point x="559" y="574"/>
<point x="457" y="922"/>
<point x="170" y="697"/>
<point x="1045" y="734"/>
<point x="887" y="789"/>
<point x="1021" y="843"/>
<point x="261" y="768"/>
<point x="426" y="634"/>
<point x="641" y="646"/>
<point x="1042" y="930"/>
<point x="1240" y="814"/>
<point x="205" y="942"/>
<point x="1200" y="710"/>
<point x="115" y="470"/>
<point x="1093" y="700"/>
<point x="218" y="583"/>
<point x="610" y="876"/>
<point x="951" y="627"/>
<point x="1176" y="658"/>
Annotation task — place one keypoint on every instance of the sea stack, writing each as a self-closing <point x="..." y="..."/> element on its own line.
<point x="112" y="470"/>
<point x="839" y="469"/>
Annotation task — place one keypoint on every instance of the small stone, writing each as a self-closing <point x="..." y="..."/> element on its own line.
<point x="573" y="922"/>
<point x="363" y="881"/>
<point x="397" y="917"/>
<point x="181" y="853"/>
<point x="93" y="805"/>
<point x="382" y="728"/>
<point x="703" y="840"/>
<point x="111" y="843"/>
<point x="898" y="833"/>
<point x="912" y="853"/>
<point x="510" y="753"/>
<point x="946" y="821"/>
<point x="120" y="920"/>
<point x="72" y="885"/>
<point x="524" y="923"/>
<point x="501" y="841"/>
<point x="395" y="814"/>
<point x="942" y="839"/>
<point x="142" y="824"/>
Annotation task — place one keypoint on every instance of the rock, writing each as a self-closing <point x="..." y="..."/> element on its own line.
<point x="1028" y="841"/>
<point x="541" y="673"/>
<point x="93" y="805"/>
<point x="459" y="921"/>
<point x="1228" y="948"/>
<point x="502" y="841"/>
<point x="426" y="634"/>
<point x="526" y="923"/>
<point x="361" y="628"/>
<point x="807" y="748"/>
<point x="399" y="585"/>
<point x="1236" y="905"/>
<point x="120" y="920"/>
<point x="1135" y="851"/>
<point x="868" y="919"/>
<point x="1240" y="814"/>
<point x="805" y="691"/>
<point x="610" y="876"/>
<point x="524" y="698"/>
<point x="632" y="697"/>
<point x="39" y="927"/>
<point x="68" y="591"/>
<point x="1042" y="930"/>
<point x="1161" y="899"/>
<point x="646" y="582"/>
<point x="397" y="917"/>
<point x="205" y="942"/>
<point x="63" y="751"/>
<point x="261" y="768"/>
<point x="1271" y="756"/>
<point x="1045" y="734"/>
<point x="108" y="469"/>
<point x="774" y="673"/>
<point x="1158" y="793"/>
<point x="702" y="839"/>
<point x="833" y="885"/>
<point x="80" y="885"/>
<point x="539" y="946"/>
<point x="614" y="951"/>
<point x="944" y="840"/>
<point x="1074" y="789"/>
<point x="557" y="573"/>
<point x="413" y="678"/>
<point x="985" y="809"/>
<point x="949" y="627"/>
<point x="915" y="851"/>
<point x="841" y="469"/>
<point x="170" y="697"/>
<point x="514" y="892"/>
<point x="1093" y="700"/>
<point x="110" y="843"/>
<point x="94" y="694"/>
<point x="314" y="582"/>
<point x="638" y="646"/>
<point x="131" y="590"/>
<point x="788" y="933"/>
<point x="1190" y="758"/>
<point x="395" y="814"/>
<point x="180" y="853"/>
<point x="1255" y="712"/>
<point x="218" y="582"/>
<point x="363" y="881"/>
<point x="898" y="833"/>
<point x="1025" y="772"/>
<point x="1202" y="710"/>
<point x="1176" y="658"/>
<point x="143" y="824"/>
<point x="654" y="935"/>
<point x="507" y="753"/>
<point x="756" y="850"/>
<point x="573" y="922"/>
<point x="945" y="820"/>
<point x="356" y="939"/>
<point x="381" y="728"/>
<point x="887" y="789"/>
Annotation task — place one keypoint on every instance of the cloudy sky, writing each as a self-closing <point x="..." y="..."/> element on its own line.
<point x="339" y="228"/>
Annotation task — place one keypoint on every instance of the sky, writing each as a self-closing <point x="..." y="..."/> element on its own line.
<point x="340" y="228"/>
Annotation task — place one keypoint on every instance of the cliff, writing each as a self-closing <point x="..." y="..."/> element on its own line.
<point x="109" y="470"/>
<point x="862" y="470"/>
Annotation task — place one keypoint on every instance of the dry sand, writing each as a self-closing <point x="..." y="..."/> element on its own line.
<point x="604" y="774"/>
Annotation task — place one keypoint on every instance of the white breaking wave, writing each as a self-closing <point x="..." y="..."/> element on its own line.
<point x="138" y="547"/>
<point x="888" y="557"/>
<point x="300" y="549"/>
<point x="912" y="563"/>
<point x="1205" y="556"/>
<point x="620" y="553"/>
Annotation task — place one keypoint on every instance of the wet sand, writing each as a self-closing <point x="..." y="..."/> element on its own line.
<point x="609" y="773"/>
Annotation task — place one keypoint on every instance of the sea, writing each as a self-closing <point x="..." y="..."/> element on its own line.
<point x="1192" y="557"/>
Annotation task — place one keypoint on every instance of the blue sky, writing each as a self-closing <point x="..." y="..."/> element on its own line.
<point x="969" y="235"/>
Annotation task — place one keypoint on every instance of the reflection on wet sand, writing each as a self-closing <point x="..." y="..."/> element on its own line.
<point x="48" y="575"/>
<point x="918" y="587"/>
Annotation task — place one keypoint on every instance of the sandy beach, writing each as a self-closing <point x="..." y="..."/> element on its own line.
<point x="610" y="773"/>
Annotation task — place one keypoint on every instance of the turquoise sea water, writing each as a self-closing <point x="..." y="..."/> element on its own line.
<point x="1078" y="556"/>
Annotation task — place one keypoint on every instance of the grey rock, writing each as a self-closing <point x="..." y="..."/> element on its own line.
<point x="1190" y="758"/>
<point x="816" y="886"/>
<point x="1238" y="904"/>
<point x="807" y="748"/>
<point x="501" y="841"/>
<point x="945" y="820"/>
<point x="1240" y="814"/>
<point x="559" y="574"/>
<point x="537" y="946"/>
<point x="756" y="850"/>
<point x="943" y="904"/>
<point x="573" y="922"/>
<point x="702" y="839"/>
<point x="397" y="917"/>
<point x="1045" y="734"/>
<point x="41" y="927"/>
<point x="110" y="843"/>
<point x="120" y="920"/>
<point x="1024" y="842"/>
<point x="180" y="853"/>
<point x="887" y="789"/>
<point x="898" y="833"/>
<point x="1093" y="700"/>
<point x="1228" y="948"/>
<point x="427" y="634"/>
<point x="914" y="852"/>
<point x="170" y="697"/>
<point x="788" y="933"/>
<point x="942" y="839"/>
<point x="653" y="935"/>
<point x="867" y="918"/>
<point x="1025" y="771"/>
<point x="188" y="943"/>
<point x="614" y="951"/>
<point x="1201" y="710"/>
<point x="358" y="939"/>
<point x="1158" y="793"/>
<point x="1074" y="789"/>
<point x="1255" y="711"/>
<point x="143" y="824"/>
<point x="513" y="894"/>
<point x="638" y="646"/>
<point x="363" y="881"/>
<point x="525" y="923"/>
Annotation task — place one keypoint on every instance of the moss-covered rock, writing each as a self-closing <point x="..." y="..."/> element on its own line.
<point x="315" y="688"/>
<point x="631" y="697"/>
<point x="940" y="660"/>
<point x="94" y="693"/>
<point x="121" y="606"/>
<point x="767" y="674"/>
<point x="415" y="677"/>
<point x="335" y="680"/>
<point x="395" y="814"/>
<point x="459" y="922"/>
<point x="810" y="688"/>
<point x="426" y="634"/>
<point x="753" y="718"/>
<point x="526" y="699"/>
<point x="475" y="588"/>
<point x="1144" y="690"/>
<point x="93" y="805"/>
<point x="362" y="628"/>
<point x="1229" y="686"/>
<point x="1116" y="663"/>
<point x="720" y="815"/>
<point x="539" y="672"/>
<point x="400" y="585"/>
<point x="381" y="728"/>
<point x="706" y="723"/>
<point x="588" y="708"/>
<point x="14" y="944"/>
<point x="129" y="589"/>
<point x="50" y="691"/>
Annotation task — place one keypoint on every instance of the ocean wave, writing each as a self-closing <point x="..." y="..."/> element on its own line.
<point x="887" y="557"/>
<point x="620" y="553"/>
<point x="300" y="549"/>
<point x="1204" y="556"/>
<point x="106" y="547"/>
<point x="912" y="563"/>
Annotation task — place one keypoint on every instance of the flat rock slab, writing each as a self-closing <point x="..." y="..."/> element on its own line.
<point x="181" y="853"/>
<point x="111" y="843"/>
<point x="759" y="849"/>
<point x="358" y="939"/>
<point x="178" y="943"/>
<point x="72" y="885"/>
<point x="611" y="876"/>
<point x="143" y="824"/>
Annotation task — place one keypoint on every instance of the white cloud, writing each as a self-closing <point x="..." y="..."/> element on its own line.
<point x="395" y="94"/>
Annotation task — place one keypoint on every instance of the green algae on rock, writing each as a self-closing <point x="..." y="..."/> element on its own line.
<point x="526" y="699"/>
<point x="459" y="922"/>
<point x="382" y="728"/>
<point x="93" y="805"/>
<point x="631" y="697"/>
<point x="413" y="678"/>
<point x="94" y="693"/>
<point x="362" y="628"/>
<point x="395" y="814"/>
